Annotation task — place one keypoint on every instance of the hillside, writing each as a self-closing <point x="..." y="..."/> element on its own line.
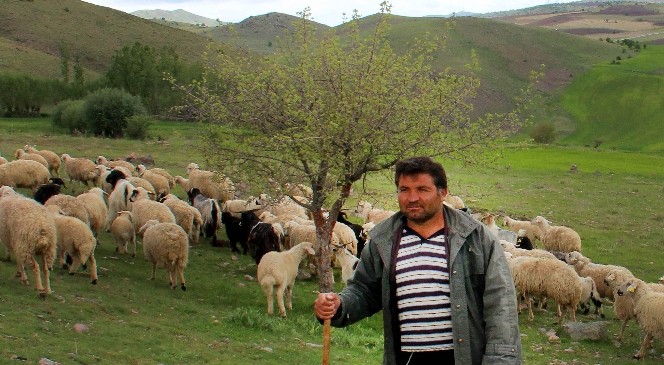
<point x="32" y="32"/>
<point x="179" y="15"/>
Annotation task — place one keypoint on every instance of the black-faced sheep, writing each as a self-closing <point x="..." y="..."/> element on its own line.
<point x="23" y="174"/>
<point x="120" y="197"/>
<point x="648" y="307"/>
<point x="28" y="230"/>
<point x="51" y="157"/>
<point x="357" y="230"/>
<point x="522" y="240"/>
<point x="557" y="238"/>
<point x="279" y="270"/>
<point x="261" y="238"/>
<point x="210" y="213"/>
<point x="124" y="233"/>
<point x="184" y="215"/>
<point x="166" y="245"/>
<point x="533" y="232"/>
<point x="69" y="205"/>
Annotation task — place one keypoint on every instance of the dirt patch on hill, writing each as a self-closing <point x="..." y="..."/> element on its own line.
<point x="629" y="10"/>
<point x="556" y="20"/>
<point x="591" y="31"/>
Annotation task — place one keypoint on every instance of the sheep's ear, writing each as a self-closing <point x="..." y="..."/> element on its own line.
<point x="311" y="251"/>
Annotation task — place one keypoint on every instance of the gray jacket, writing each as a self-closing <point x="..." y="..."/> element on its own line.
<point x="484" y="313"/>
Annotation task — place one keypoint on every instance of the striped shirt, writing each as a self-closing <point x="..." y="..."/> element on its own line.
<point x="423" y="293"/>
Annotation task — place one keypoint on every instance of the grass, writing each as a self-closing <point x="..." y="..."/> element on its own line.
<point x="612" y="201"/>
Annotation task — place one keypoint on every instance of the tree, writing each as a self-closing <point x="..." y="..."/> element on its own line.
<point x="107" y="111"/>
<point x="327" y="110"/>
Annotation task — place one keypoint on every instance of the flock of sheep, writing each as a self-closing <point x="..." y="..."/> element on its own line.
<point x="134" y="201"/>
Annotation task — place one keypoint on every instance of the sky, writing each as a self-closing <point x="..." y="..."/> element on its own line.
<point x="329" y="12"/>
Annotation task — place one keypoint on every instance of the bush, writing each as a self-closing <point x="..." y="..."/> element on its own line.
<point x="137" y="127"/>
<point x="543" y="132"/>
<point x="107" y="110"/>
<point x="69" y="115"/>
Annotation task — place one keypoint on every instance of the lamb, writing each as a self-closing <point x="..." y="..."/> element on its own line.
<point x="51" y="158"/>
<point x="369" y="214"/>
<point x="23" y="174"/>
<point x="347" y="261"/>
<point x="279" y="269"/>
<point x="500" y="234"/>
<point x="522" y="240"/>
<point x="533" y="232"/>
<point x="557" y="238"/>
<point x="166" y="245"/>
<point x="126" y="165"/>
<point x="119" y="200"/>
<point x="27" y="229"/>
<point x="210" y="214"/>
<point x="75" y="239"/>
<point x="589" y="294"/>
<point x="648" y="306"/>
<point x="79" y="169"/>
<point x="160" y="183"/>
<point x="210" y="183"/>
<point x="95" y="206"/>
<point x="124" y="232"/>
<point x="184" y="215"/>
<point x="22" y="155"/>
<point x="143" y="209"/>
<point x="584" y="267"/>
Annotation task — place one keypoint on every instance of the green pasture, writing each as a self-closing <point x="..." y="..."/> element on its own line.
<point x="613" y="201"/>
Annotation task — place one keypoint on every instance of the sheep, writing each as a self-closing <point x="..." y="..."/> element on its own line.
<point x="124" y="232"/>
<point x="347" y="261"/>
<point x="95" y="205"/>
<point x="557" y="238"/>
<point x="100" y="179"/>
<point x="23" y="174"/>
<point x="279" y="269"/>
<point x="261" y="237"/>
<point x="584" y="267"/>
<point x="500" y="234"/>
<point x="235" y="232"/>
<point x="533" y="232"/>
<point x="143" y="209"/>
<point x="75" y="239"/>
<point x="298" y="233"/>
<point x="210" y="183"/>
<point x="166" y="245"/>
<point x="236" y="206"/>
<point x="79" y="169"/>
<point x="549" y="278"/>
<point x="455" y="202"/>
<point x="184" y="214"/>
<point x="369" y="214"/>
<point x="589" y="294"/>
<point x="27" y="230"/>
<point x="126" y="165"/>
<point x="298" y="190"/>
<point x="48" y="194"/>
<point x="516" y="252"/>
<point x="51" y="158"/>
<point x="661" y="280"/>
<point x="159" y="182"/>
<point x="357" y="230"/>
<point x="648" y="306"/>
<point x="119" y="200"/>
<point x="142" y="183"/>
<point x="166" y="174"/>
<point x="22" y="155"/>
<point x="285" y="207"/>
<point x="522" y="240"/>
<point x="183" y="182"/>
<point x="210" y="214"/>
<point x="3" y="160"/>
<point x="346" y="237"/>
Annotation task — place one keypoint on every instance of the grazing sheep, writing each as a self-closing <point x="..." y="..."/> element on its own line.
<point x="50" y="195"/>
<point x="279" y="269"/>
<point x="23" y="174"/>
<point x="143" y="209"/>
<point x="51" y="158"/>
<point x="369" y="214"/>
<point x="159" y="183"/>
<point x="126" y="165"/>
<point x="533" y="232"/>
<point x="500" y="234"/>
<point x="142" y="183"/>
<point x="648" y="307"/>
<point x="124" y="232"/>
<point x="95" y="205"/>
<point x="45" y="191"/>
<point x="22" y="155"/>
<point x="210" y="213"/>
<point x="76" y="240"/>
<point x="27" y="230"/>
<point x="210" y="183"/>
<point x="119" y="200"/>
<point x="165" y="174"/>
<point x="584" y="267"/>
<point x="183" y="182"/>
<point x="235" y="232"/>
<point x="166" y="245"/>
<point x="557" y="238"/>
<point x="80" y="169"/>
<point x="184" y="214"/>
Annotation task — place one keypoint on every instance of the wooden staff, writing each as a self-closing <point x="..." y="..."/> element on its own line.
<point x="326" y="342"/>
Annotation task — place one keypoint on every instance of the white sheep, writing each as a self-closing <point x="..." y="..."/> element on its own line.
<point x="532" y="231"/>
<point x="159" y="183"/>
<point x="183" y="182"/>
<point x="80" y="169"/>
<point x="119" y="200"/>
<point x="51" y="158"/>
<point x="237" y="206"/>
<point x="143" y="209"/>
<point x="365" y="211"/>
<point x="347" y="261"/>
<point x="23" y="174"/>
<point x="27" y="230"/>
<point x="184" y="215"/>
<point x="76" y="240"/>
<point x="100" y="179"/>
<point x="500" y="234"/>
<point x="123" y="232"/>
<point x="589" y="294"/>
<point x="210" y="183"/>
<point x="298" y="190"/>
<point x="454" y="201"/>
<point x="346" y="237"/>
<point x="648" y="308"/>
<point x="70" y="206"/>
<point x="141" y="182"/>
<point x="166" y="245"/>
<point x="298" y="233"/>
<point x="22" y="155"/>
<point x="557" y="238"/>
<point x="516" y="252"/>
<point x="166" y="174"/>
<point x="279" y="270"/>
<point x="584" y="267"/>
<point x="95" y="205"/>
<point x="127" y="167"/>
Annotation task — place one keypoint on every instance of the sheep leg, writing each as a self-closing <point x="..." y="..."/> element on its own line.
<point x="269" y="295"/>
<point x="154" y="271"/>
<point x="76" y="262"/>
<point x="93" y="269"/>
<point x="172" y="278"/>
<point x="181" y="274"/>
<point x="644" y="346"/>
<point x="280" y="299"/>
<point x="38" y="279"/>
<point x="289" y="297"/>
<point x="531" y="316"/>
<point x="133" y="245"/>
<point x="47" y="280"/>
<point x="622" y="329"/>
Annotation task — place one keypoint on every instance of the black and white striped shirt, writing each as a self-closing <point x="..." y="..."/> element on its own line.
<point x="423" y="293"/>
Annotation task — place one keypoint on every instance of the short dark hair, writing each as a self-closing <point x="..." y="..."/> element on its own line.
<point x="421" y="165"/>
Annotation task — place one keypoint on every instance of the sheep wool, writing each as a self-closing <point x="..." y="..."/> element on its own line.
<point x="79" y="169"/>
<point x="124" y="233"/>
<point x="648" y="307"/>
<point x="557" y="238"/>
<point x="51" y="158"/>
<point x="584" y="267"/>
<point x="76" y="240"/>
<point x="165" y="245"/>
<point x="279" y="270"/>
<point x="23" y="174"/>
<point x="22" y="155"/>
<point x="143" y="209"/>
<point x="95" y="205"/>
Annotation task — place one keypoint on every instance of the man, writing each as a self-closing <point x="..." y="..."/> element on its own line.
<point x="438" y="275"/>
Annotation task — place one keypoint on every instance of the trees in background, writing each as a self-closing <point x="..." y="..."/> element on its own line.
<point x="23" y="95"/>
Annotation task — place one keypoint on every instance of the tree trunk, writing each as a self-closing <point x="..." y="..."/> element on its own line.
<point x="324" y="235"/>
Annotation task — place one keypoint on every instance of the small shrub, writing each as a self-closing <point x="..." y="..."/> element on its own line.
<point x="543" y="133"/>
<point x="69" y="115"/>
<point x="137" y="127"/>
<point x="106" y="111"/>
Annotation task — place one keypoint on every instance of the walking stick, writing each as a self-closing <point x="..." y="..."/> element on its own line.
<point x="326" y="342"/>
